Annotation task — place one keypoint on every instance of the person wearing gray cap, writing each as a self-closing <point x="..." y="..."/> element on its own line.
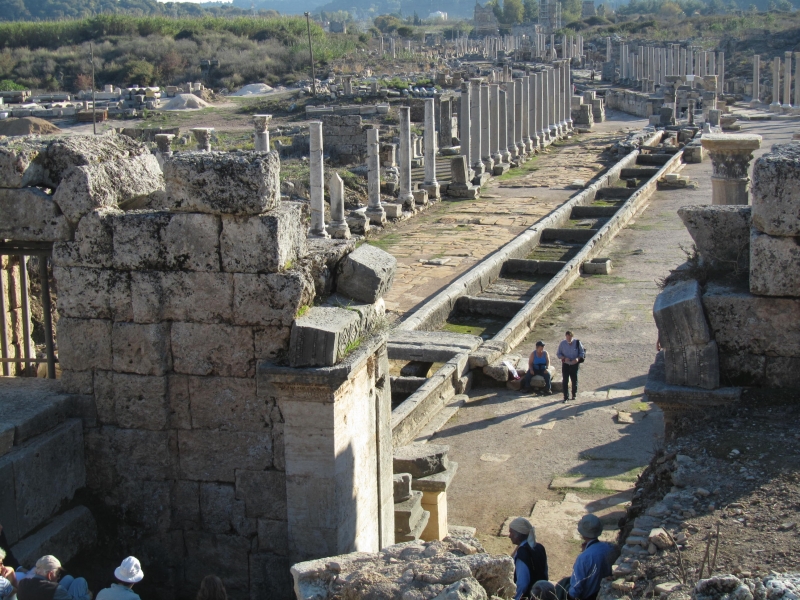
<point x="592" y="565"/>
<point x="530" y="558"/>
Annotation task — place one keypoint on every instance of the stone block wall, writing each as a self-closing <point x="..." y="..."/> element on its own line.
<point x="345" y="138"/>
<point x="634" y="103"/>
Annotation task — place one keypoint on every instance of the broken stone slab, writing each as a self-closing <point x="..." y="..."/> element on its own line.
<point x="776" y="191"/>
<point x="774" y="265"/>
<point x="320" y="338"/>
<point x="681" y="397"/>
<point x="30" y="215"/>
<point x="22" y="163"/>
<point x="488" y="352"/>
<point x="92" y="245"/>
<point x="499" y="371"/>
<point x="369" y="315"/>
<point x="430" y="346"/>
<point x="366" y="274"/>
<point x="720" y="232"/>
<point x="598" y="266"/>
<point x="402" y="487"/>
<point x="408" y="513"/>
<point x="393" y="210"/>
<point x="86" y="150"/>
<point x="107" y="184"/>
<point x="660" y="538"/>
<point x="678" y="312"/>
<point x="414" y="534"/>
<point x="421" y="460"/>
<point x="438" y="482"/>
<point x="235" y="183"/>
<point x="693" y="365"/>
<point x="63" y="536"/>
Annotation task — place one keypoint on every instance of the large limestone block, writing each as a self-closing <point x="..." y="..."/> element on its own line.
<point x="84" y="344"/>
<point x="720" y="232"/>
<point x="272" y="299"/>
<point x="137" y="401"/>
<point x="64" y="536"/>
<point x="678" y="312"/>
<point x="220" y="350"/>
<point x="366" y="274"/>
<point x="191" y="296"/>
<point x="237" y="183"/>
<point x="228" y="404"/>
<point x="165" y="241"/>
<point x="93" y="245"/>
<point x="264" y="243"/>
<point x="752" y="325"/>
<point x="229" y="553"/>
<point x="421" y="460"/>
<point x="264" y="493"/>
<point x="85" y="150"/>
<point x="273" y="536"/>
<point x="776" y="191"/>
<point x="93" y="293"/>
<point x="270" y="575"/>
<point x="321" y="337"/>
<point x="112" y="183"/>
<point x="774" y="265"/>
<point x="143" y="349"/>
<point x="30" y="215"/>
<point x="22" y="163"/>
<point x="209" y="455"/>
<point x="222" y="513"/>
<point x="693" y="365"/>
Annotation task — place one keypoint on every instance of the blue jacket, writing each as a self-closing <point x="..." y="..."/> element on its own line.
<point x="591" y="566"/>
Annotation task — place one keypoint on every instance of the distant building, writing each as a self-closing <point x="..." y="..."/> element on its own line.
<point x="484" y="20"/>
<point x="337" y="27"/>
<point x="437" y="16"/>
<point x="588" y="9"/>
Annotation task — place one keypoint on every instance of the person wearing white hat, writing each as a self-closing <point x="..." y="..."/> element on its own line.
<point x="593" y="563"/>
<point x="128" y="573"/>
<point x="530" y="558"/>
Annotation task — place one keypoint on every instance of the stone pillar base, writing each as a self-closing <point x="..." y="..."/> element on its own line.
<point x="436" y="504"/>
<point x="775" y="107"/>
<point x="478" y="169"/>
<point x="488" y="164"/>
<point x="318" y="233"/>
<point x="339" y="230"/>
<point x="432" y="189"/>
<point x="729" y="191"/>
<point x="376" y="215"/>
<point x="506" y="156"/>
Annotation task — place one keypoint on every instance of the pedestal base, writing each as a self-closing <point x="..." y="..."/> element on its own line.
<point x="376" y="215"/>
<point x="729" y="191"/>
<point x="318" y="233"/>
<point x="432" y="189"/>
<point x="339" y="230"/>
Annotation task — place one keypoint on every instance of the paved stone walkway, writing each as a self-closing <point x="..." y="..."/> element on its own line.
<point x="462" y="233"/>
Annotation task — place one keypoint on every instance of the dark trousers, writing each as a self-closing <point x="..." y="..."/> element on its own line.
<point x="526" y="380"/>
<point x="570" y="372"/>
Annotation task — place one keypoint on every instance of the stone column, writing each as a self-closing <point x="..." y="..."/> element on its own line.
<point x="511" y="147"/>
<point x="338" y="228"/>
<point x="464" y="123"/>
<point x="721" y="72"/>
<point x="486" y="130"/>
<point x="608" y="49"/>
<point x="375" y="212"/>
<point x="430" y="184"/>
<point x="682" y="62"/>
<point x="730" y="156"/>
<point x="756" y="99"/>
<point x="552" y="97"/>
<point x="776" y="83"/>
<point x="164" y="143"/>
<point x="502" y="126"/>
<point x="568" y="95"/>
<point x="518" y="117"/>
<point x="787" y="80"/>
<point x="406" y="198"/>
<point x="260" y="123"/>
<point x="446" y="122"/>
<point x="317" y="183"/>
<point x="475" y="125"/>
<point x="494" y="118"/>
<point x="797" y="79"/>
<point x="202" y="136"/>
<point x="532" y="112"/>
<point x="526" y="116"/>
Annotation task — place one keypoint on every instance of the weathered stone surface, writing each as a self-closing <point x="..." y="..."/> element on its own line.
<point x="273" y="536"/>
<point x="782" y="371"/>
<point x="141" y="349"/>
<point x="660" y="539"/>
<point x="272" y="299"/>
<point x="754" y="325"/>
<point x="84" y="150"/>
<point x="402" y="487"/>
<point x="190" y="296"/>
<point x="366" y="274"/>
<point x="271" y="341"/>
<point x="208" y="455"/>
<point x="693" y="365"/>
<point x="229" y="554"/>
<point x="774" y="265"/>
<point x="720" y="232"/>
<point x="270" y="576"/>
<point x="264" y="493"/>
<point x="220" y="350"/>
<point x="93" y="293"/>
<point x="22" y="163"/>
<point x="161" y="240"/>
<point x="238" y="183"/>
<point x="93" y="245"/>
<point x="421" y="460"/>
<point x="221" y="512"/>
<point x="457" y="562"/>
<point x="132" y="401"/>
<point x="678" y="312"/>
<point x="264" y="243"/>
<point x="84" y="344"/>
<point x="64" y="536"/>
<point x="776" y="191"/>
<point x="110" y="184"/>
<point x="320" y="337"/>
<point x="30" y="215"/>
<point x="227" y="404"/>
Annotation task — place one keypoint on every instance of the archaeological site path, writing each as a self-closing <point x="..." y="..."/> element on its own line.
<point x="510" y="446"/>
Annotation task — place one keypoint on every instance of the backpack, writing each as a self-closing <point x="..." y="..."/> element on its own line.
<point x="578" y="348"/>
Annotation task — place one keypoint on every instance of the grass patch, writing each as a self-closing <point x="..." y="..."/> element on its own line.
<point x="630" y="475"/>
<point x="640" y="406"/>
<point x="385" y="242"/>
<point x="611" y="279"/>
<point x="302" y="310"/>
<point x="349" y="348"/>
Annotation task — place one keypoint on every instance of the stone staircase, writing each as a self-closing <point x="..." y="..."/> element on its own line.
<point x="41" y="467"/>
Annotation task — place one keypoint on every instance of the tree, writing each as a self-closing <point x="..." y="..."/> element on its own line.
<point x="496" y="9"/>
<point x="784" y="5"/>
<point x="670" y="9"/>
<point x="513" y="11"/>
<point x="601" y="10"/>
<point x="531" y="10"/>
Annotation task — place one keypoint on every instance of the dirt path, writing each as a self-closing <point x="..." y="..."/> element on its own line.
<point x="462" y="233"/>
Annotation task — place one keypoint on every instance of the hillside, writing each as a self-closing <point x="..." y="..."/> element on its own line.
<point x="50" y="10"/>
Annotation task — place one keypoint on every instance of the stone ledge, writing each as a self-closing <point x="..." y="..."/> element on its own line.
<point x="679" y="397"/>
<point x="438" y="482"/>
<point x="64" y="536"/>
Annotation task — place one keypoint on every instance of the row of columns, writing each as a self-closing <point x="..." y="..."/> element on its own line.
<point x="776" y="81"/>
<point x="572" y="46"/>
<point x="653" y="64"/>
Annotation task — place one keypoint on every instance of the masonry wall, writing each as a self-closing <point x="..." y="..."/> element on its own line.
<point x="344" y="138"/>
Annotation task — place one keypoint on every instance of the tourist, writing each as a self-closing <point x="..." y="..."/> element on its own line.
<point x="77" y="587"/>
<point x="592" y="565"/>
<point x="8" y="559"/>
<point x="530" y="558"/>
<point x="211" y="588"/>
<point x="538" y="364"/>
<point x="571" y="353"/>
<point x="7" y="572"/>
<point x="43" y="583"/>
<point x="128" y="573"/>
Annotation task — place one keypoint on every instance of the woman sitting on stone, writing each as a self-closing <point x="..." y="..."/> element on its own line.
<point x="538" y="364"/>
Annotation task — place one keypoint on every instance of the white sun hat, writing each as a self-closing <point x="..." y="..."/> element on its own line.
<point x="130" y="571"/>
